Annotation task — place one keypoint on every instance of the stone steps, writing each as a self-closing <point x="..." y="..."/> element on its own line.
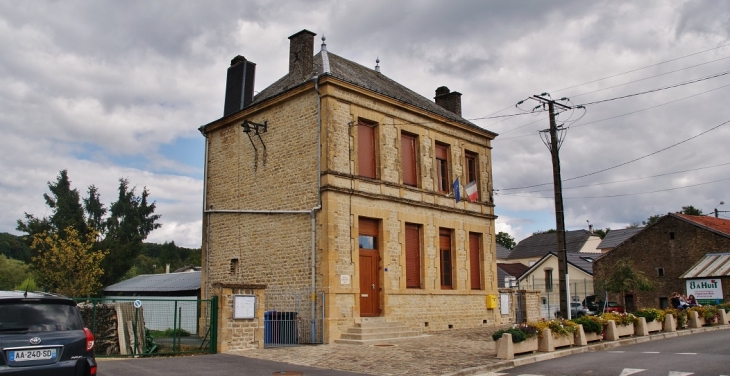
<point x="375" y="330"/>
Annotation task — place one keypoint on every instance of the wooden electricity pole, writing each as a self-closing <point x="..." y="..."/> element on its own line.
<point x="554" y="146"/>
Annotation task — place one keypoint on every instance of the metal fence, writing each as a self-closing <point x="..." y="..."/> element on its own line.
<point x="550" y="293"/>
<point x="150" y="326"/>
<point x="292" y="318"/>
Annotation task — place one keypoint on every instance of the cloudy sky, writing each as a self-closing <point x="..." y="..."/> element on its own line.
<point x="110" y="89"/>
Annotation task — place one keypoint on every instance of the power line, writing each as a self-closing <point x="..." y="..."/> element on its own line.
<point x="660" y="89"/>
<point x="650" y="77"/>
<point x="626" y="180"/>
<point x="630" y="194"/>
<point x="638" y="69"/>
<point x="625" y="163"/>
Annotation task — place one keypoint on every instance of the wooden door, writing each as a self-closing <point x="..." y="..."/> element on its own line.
<point x="369" y="296"/>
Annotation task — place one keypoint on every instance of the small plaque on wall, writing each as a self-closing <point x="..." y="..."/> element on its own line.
<point x="244" y="306"/>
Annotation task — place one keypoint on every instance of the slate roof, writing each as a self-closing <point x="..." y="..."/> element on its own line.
<point x="539" y="245"/>
<point x="502" y="252"/>
<point x="712" y="265"/>
<point x="616" y="237"/>
<point x="578" y="260"/>
<point x="158" y="283"/>
<point x="717" y="225"/>
<point x="366" y="78"/>
<point x="509" y="270"/>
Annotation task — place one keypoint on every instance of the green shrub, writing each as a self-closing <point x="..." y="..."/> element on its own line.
<point x="517" y="334"/>
<point x="650" y="314"/>
<point x="169" y="332"/>
<point x="591" y="324"/>
<point x="725" y="306"/>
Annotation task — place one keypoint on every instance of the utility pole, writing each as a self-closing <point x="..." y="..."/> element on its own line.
<point x="554" y="145"/>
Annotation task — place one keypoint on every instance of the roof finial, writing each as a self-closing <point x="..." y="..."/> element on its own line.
<point x="324" y="45"/>
<point x="377" y="64"/>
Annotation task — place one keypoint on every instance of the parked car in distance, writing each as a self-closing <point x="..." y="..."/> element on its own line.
<point x="576" y="310"/>
<point x="613" y="307"/>
<point x="43" y="334"/>
<point x="590" y="303"/>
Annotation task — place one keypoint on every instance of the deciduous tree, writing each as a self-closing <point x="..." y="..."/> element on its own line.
<point x="505" y="240"/>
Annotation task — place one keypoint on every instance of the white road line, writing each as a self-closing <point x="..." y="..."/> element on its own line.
<point x="616" y="352"/>
<point x="680" y="373"/>
<point x="631" y="371"/>
<point x="650" y="352"/>
<point x="687" y="354"/>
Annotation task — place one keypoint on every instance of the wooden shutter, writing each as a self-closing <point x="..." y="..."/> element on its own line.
<point x="368" y="226"/>
<point x="408" y="159"/>
<point x="413" y="256"/>
<point x="475" y="270"/>
<point x="442" y="168"/>
<point x="442" y="151"/>
<point x="366" y="149"/>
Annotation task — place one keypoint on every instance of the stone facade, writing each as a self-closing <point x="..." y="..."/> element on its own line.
<point x="673" y="244"/>
<point x="269" y="195"/>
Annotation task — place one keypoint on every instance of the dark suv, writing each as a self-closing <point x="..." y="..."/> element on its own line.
<point x="43" y="334"/>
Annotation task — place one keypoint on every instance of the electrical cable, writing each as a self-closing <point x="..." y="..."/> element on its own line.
<point x="638" y="69"/>
<point x="624" y="163"/>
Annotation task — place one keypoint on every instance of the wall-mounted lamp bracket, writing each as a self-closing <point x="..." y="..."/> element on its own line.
<point x="258" y="128"/>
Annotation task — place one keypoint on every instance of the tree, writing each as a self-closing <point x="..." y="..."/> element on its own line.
<point x="624" y="279"/>
<point x="602" y="233"/>
<point x="651" y="220"/>
<point x="14" y="247"/>
<point x="68" y="265"/>
<point x="12" y="273"/>
<point x="505" y="240"/>
<point x="691" y="210"/>
<point x="551" y="231"/>
<point x="120" y="230"/>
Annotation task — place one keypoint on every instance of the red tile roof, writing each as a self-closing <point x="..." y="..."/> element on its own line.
<point x="712" y="223"/>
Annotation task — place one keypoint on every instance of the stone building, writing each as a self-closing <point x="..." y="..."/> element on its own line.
<point x="336" y="180"/>
<point x="663" y="252"/>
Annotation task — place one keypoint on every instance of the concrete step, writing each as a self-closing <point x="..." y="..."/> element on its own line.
<point x="373" y="336"/>
<point x="379" y="330"/>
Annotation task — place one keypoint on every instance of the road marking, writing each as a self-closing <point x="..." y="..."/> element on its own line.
<point x="687" y="354"/>
<point x="650" y="352"/>
<point x="680" y="373"/>
<point x="631" y="371"/>
<point x="616" y="352"/>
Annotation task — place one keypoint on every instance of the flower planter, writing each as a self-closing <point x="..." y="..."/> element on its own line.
<point x="528" y="345"/>
<point x="655" y="326"/>
<point x="562" y="341"/>
<point x="624" y="330"/>
<point x="592" y="337"/>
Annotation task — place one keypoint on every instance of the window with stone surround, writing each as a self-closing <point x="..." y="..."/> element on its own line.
<point x="446" y="259"/>
<point x="366" y="150"/>
<point x="413" y="255"/>
<point x="549" y="279"/>
<point x="234" y="266"/>
<point x="443" y="181"/>
<point x="409" y="161"/>
<point x="470" y="169"/>
<point x="660" y="272"/>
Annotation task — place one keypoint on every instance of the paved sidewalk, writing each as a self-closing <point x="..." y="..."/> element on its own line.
<point x="457" y="352"/>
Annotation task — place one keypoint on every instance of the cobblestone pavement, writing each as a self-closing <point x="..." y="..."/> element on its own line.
<point x="436" y="353"/>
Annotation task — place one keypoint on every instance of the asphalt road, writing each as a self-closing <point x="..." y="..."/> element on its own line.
<point x="697" y="354"/>
<point x="201" y="365"/>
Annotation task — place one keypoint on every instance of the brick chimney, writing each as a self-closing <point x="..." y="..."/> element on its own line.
<point x="450" y="100"/>
<point x="301" y="55"/>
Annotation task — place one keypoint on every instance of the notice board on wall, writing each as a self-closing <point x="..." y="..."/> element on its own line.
<point x="244" y="306"/>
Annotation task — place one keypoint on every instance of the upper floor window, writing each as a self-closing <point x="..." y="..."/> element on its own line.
<point x="366" y="161"/>
<point x="408" y="159"/>
<point x="443" y="183"/>
<point x="470" y="159"/>
<point x="549" y="279"/>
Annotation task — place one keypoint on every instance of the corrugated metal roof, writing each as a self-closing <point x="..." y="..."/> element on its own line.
<point x="158" y="282"/>
<point x="712" y="265"/>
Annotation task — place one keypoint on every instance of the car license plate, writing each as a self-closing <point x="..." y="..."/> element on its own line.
<point x="26" y="355"/>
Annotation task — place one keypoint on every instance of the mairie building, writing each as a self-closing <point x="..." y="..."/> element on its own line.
<point x="331" y="200"/>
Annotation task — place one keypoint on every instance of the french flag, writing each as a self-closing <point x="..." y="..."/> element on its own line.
<point x="471" y="191"/>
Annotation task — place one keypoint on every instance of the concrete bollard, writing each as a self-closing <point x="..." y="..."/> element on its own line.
<point x="580" y="337"/>
<point x="723" y="317"/>
<point x="611" y="332"/>
<point x="669" y="324"/>
<point x="694" y="319"/>
<point x="546" y="342"/>
<point x="505" y="347"/>
<point x="640" y="328"/>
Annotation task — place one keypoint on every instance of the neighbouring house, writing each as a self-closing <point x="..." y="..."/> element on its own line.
<point x="669" y="253"/>
<point x="336" y="187"/>
<point x="709" y="278"/>
<point x="543" y="276"/>
<point x="502" y="253"/>
<point x="533" y="248"/>
<point x="616" y="237"/>
<point x="508" y="273"/>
